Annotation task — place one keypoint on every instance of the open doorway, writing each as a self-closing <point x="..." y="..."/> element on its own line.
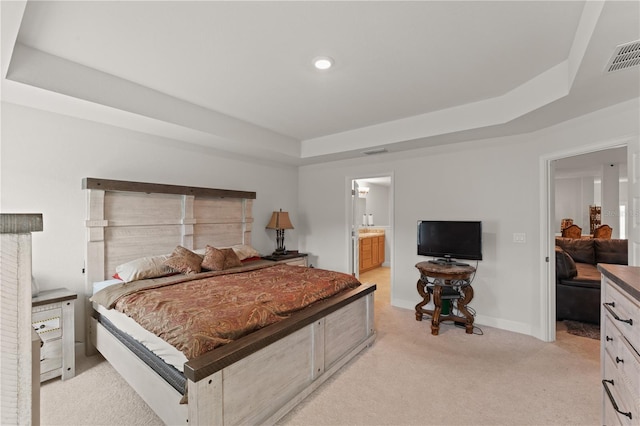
<point x="372" y="232"/>
<point x="591" y="190"/>
<point x="579" y="184"/>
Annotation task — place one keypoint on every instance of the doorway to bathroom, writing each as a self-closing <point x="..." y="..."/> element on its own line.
<point x="372" y="232"/>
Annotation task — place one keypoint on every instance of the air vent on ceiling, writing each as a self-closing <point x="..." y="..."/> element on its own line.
<point x="375" y="151"/>
<point x="625" y="56"/>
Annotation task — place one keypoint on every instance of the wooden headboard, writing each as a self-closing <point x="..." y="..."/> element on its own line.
<point x="129" y="220"/>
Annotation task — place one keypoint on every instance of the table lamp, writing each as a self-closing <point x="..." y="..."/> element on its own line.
<point x="280" y="221"/>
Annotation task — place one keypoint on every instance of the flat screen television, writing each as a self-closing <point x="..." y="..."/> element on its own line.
<point x="450" y="240"/>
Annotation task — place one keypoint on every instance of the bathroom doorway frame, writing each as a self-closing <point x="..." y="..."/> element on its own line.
<point x="354" y="222"/>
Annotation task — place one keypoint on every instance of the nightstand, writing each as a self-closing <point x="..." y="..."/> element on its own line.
<point x="291" y="258"/>
<point x="52" y="318"/>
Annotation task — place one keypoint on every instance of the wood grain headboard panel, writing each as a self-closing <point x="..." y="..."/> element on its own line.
<point x="128" y="220"/>
<point x="224" y="222"/>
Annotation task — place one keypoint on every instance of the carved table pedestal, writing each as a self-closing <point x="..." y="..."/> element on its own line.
<point x="446" y="281"/>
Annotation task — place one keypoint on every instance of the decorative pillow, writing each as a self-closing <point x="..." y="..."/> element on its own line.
<point x="213" y="259"/>
<point x="184" y="260"/>
<point x="565" y="266"/>
<point x="220" y="259"/>
<point x="144" y="267"/>
<point x="231" y="259"/>
<point x="245" y="251"/>
<point x="611" y="251"/>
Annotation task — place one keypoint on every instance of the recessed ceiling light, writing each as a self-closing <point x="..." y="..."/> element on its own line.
<point x="323" y="62"/>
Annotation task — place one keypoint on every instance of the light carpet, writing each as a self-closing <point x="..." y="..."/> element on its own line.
<point x="407" y="377"/>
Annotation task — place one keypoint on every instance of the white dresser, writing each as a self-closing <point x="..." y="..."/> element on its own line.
<point x="620" y="344"/>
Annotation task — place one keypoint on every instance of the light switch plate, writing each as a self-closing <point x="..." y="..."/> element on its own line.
<point x="519" y="237"/>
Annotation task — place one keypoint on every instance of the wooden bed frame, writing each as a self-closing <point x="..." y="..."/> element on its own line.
<point x="254" y="380"/>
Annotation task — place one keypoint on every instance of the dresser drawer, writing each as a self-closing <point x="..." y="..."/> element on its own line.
<point x="610" y="415"/>
<point x="623" y="365"/>
<point x="628" y="362"/>
<point x="47" y="323"/>
<point x="618" y="394"/>
<point x="51" y="356"/>
<point x="611" y="334"/>
<point x="620" y="344"/>
<point x="618" y="305"/>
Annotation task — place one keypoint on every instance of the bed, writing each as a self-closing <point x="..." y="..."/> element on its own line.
<point x="256" y="378"/>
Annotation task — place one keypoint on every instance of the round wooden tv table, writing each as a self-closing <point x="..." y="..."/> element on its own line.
<point x="447" y="281"/>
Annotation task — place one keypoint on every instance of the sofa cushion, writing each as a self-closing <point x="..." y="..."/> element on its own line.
<point x="611" y="251"/>
<point x="588" y="273"/>
<point x="588" y="276"/>
<point x="578" y="302"/>
<point x="581" y="250"/>
<point x="565" y="266"/>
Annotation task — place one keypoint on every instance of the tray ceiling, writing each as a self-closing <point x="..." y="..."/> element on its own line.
<point x="238" y="76"/>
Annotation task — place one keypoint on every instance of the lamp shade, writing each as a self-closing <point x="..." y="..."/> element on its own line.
<point x="280" y="220"/>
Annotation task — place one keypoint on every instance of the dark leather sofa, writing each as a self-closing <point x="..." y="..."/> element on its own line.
<point x="577" y="277"/>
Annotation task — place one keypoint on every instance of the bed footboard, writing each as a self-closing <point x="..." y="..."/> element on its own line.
<point x="261" y="377"/>
<point x="264" y="386"/>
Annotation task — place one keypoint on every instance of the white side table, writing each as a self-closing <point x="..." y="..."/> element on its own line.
<point x="52" y="317"/>
<point x="291" y="258"/>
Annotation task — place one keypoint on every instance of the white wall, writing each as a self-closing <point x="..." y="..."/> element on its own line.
<point x="377" y="204"/>
<point x="611" y="198"/>
<point x="44" y="157"/>
<point x="496" y="181"/>
<point x="573" y="198"/>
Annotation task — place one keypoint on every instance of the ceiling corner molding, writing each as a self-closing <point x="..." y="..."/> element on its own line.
<point x="586" y="27"/>
<point x="11" y="13"/>
<point x="541" y="90"/>
<point x="88" y="93"/>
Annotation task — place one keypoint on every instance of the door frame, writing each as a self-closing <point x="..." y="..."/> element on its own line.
<point x="353" y="244"/>
<point x="547" y="232"/>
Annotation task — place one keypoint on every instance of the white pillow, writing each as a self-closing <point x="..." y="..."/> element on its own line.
<point x="144" y="267"/>
<point x="245" y="251"/>
<point x="104" y="284"/>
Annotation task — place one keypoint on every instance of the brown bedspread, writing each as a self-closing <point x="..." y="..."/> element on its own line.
<point x="198" y="315"/>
